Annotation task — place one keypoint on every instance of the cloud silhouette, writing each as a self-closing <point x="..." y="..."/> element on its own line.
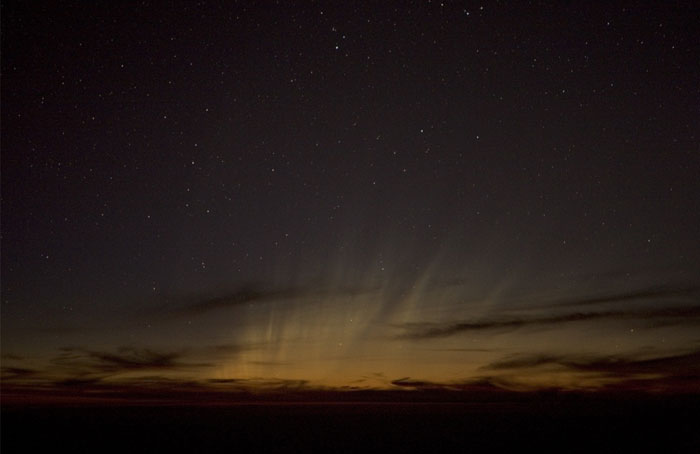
<point x="256" y="293"/>
<point x="675" y="371"/>
<point x="126" y="359"/>
<point x="78" y="382"/>
<point x="268" y="384"/>
<point x="610" y="365"/>
<point x="269" y="363"/>
<point x="476" y="385"/>
<point x="15" y="373"/>
<point x="245" y="294"/>
<point x="658" y="317"/>
<point x="687" y="293"/>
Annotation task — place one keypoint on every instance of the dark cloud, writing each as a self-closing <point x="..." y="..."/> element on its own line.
<point x="83" y="367"/>
<point x="78" y="382"/>
<point x="658" y="317"/>
<point x="683" y="383"/>
<point x="670" y="369"/>
<point x="479" y="385"/>
<point x="685" y="293"/>
<point x="140" y="385"/>
<point x="126" y="359"/>
<point x="621" y="366"/>
<point x="409" y="383"/>
<point x="525" y="362"/>
<point x="14" y="373"/>
<point x="260" y="383"/>
<point x="269" y="363"/>
<point x="244" y="295"/>
<point x="257" y="293"/>
<point x="134" y="359"/>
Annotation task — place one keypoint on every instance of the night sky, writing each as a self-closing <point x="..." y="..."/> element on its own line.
<point x="350" y="195"/>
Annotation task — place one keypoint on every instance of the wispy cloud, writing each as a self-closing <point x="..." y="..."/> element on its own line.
<point x="662" y="316"/>
<point x="257" y="293"/>
<point x="244" y="295"/>
<point x="85" y="367"/>
<point x="126" y="359"/>
<point x="673" y="371"/>
<point x="260" y="383"/>
<point x="16" y="373"/>
<point x="269" y="363"/>
<point x="665" y="293"/>
<point x="78" y="382"/>
<point x="610" y="365"/>
<point x="478" y="385"/>
<point x="671" y="304"/>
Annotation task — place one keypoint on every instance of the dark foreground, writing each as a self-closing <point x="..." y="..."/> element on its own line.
<point x="647" y="425"/>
